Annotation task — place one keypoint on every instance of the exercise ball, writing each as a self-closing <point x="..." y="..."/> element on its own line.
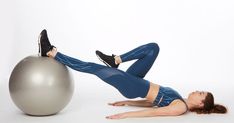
<point x="40" y="86"/>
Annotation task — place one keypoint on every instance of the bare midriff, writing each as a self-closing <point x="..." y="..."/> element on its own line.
<point x="153" y="92"/>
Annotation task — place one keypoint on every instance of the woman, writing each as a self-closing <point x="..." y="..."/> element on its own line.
<point x="164" y="100"/>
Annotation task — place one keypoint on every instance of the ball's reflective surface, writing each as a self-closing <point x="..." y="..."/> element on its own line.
<point x="40" y="86"/>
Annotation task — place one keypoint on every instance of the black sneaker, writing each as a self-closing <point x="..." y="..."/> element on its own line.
<point x="44" y="43"/>
<point x="108" y="60"/>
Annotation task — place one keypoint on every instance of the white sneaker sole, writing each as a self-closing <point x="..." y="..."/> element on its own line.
<point x="39" y="45"/>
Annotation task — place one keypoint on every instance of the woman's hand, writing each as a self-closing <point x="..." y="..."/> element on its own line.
<point x="117" y="116"/>
<point x="119" y="103"/>
<point x="140" y="103"/>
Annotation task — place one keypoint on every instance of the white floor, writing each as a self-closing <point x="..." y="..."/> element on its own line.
<point x="89" y="104"/>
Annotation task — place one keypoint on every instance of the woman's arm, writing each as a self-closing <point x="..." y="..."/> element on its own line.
<point x="140" y="103"/>
<point x="171" y="110"/>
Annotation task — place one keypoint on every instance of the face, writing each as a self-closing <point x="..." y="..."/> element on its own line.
<point x="197" y="97"/>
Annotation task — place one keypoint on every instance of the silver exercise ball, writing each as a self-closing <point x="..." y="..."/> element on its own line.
<point x="40" y="86"/>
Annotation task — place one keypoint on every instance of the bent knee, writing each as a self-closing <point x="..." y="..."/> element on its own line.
<point x="153" y="46"/>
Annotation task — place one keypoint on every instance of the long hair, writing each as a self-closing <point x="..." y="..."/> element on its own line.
<point x="209" y="106"/>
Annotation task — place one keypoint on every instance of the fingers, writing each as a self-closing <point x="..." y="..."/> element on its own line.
<point x="118" y="103"/>
<point x="116" y="116"/>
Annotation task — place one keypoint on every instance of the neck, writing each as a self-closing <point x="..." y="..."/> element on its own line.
<point x="189" y="104"/>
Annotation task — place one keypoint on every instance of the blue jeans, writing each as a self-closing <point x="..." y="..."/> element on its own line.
<point x="130" y="83"/>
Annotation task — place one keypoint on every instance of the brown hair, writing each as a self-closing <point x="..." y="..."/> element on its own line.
<point x="209" y="106"/>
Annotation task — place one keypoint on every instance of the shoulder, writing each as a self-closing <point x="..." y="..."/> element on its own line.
<point x="179" y="106"/>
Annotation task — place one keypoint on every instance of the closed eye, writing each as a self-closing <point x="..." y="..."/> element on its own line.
<point x="202" y="93"/>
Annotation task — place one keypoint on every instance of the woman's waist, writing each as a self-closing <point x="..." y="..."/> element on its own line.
<point x="153" y="92"/>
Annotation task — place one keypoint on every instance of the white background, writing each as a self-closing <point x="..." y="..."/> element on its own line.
<point x="196" y="40"/>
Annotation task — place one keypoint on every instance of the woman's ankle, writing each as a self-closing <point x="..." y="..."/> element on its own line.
<point x="118" y="60"/>
<point x="52" y="53"/>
